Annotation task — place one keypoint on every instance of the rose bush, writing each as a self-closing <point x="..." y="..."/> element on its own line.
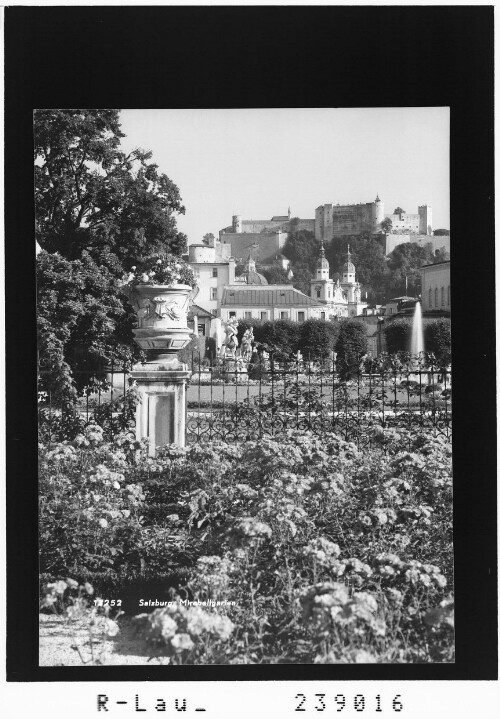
<point x="331" y="553"/>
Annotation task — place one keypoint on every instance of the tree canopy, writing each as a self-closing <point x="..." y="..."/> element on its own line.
<point x="441" y="232"/>
<point x="386" y="225"/>
<point x="91" y="196"/>
<point x="98" y="211"/>
<point x="404" y="262"/>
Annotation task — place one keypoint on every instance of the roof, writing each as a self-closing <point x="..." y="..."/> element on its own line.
<point x="436" y="264"/>
<point x="199" y="311"/>
<point x="270" y="296"/>
<point x="280" y="218"/>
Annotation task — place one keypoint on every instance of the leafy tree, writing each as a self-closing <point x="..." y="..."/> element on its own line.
<point x="302" y="277"/>
<point x="208" y="239"/>
<point x="302" y="249"/>
<point x="281" y="336"/>
<point x="441" y="255"/>
<point x="404" y="262"/>
<point x="91" y="196"/>
<point x="276" y="276"/>
<point x="317" y="338"/>
<point x="441" y="232"/>
<point x="351" y="347"/>
<point x="98" y="210"/>
<point x="437" y="339"/>
<point x="386" y="225"/>
<point x="83" y="323"/>
<point x="398" y="335"/>
<point x="398" y="211"/>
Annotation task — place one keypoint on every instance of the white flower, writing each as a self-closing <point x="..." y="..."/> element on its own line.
<point x="182" y="642"/>
<point x="134" y="268"/>
<point x="103" y="522"/>
<point x="116" y="485"/>
<point x="144" y="277"/>
<point x="112" y="628"/>
<point x="158" y="262"/>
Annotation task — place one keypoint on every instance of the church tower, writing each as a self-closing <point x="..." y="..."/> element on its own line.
<point x="322" y="285"/>
<point x="351" y="287"/>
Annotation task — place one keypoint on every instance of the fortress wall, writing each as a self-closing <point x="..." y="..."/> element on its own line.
<point x="392" y="241"/>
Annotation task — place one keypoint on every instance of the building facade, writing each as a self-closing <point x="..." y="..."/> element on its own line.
<point x="392" y="240"/>
<point x="336" y="220"/>
<point x="436" y="288"/>
<point x="262" y="239"/>
<point x="420" y="223"/>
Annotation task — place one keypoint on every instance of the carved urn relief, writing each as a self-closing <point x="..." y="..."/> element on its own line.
<point x="162" y="320"/>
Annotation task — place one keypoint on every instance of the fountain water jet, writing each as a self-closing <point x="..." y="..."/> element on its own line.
<point x="417" y="332"/>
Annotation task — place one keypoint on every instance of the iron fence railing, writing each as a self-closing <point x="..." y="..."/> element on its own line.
<point x="232" y="400"/>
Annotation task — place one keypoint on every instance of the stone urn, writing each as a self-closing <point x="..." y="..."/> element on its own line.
<point x="162" y="321"/>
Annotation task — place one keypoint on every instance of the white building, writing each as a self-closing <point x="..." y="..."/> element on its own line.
<point x="436" y="289"/>
<point x="251" y="297"/>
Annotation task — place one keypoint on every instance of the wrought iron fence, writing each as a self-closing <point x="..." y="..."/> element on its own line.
<point x="104" y="396"/>
<point x="233" y="401"/>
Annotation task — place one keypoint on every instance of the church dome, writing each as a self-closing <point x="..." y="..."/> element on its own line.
<point x="254" y="278"/>
<point x="348" y="266"/>
<point x="250" y="275"/>
<point x="322" y="263"/>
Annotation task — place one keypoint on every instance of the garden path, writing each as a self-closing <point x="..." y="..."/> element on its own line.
<point x="57" y="637"/>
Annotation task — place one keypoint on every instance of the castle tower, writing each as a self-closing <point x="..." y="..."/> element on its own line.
<point x="236" y="223"/>
<point x="378" y="213"/>
<point x="425" y="220"/>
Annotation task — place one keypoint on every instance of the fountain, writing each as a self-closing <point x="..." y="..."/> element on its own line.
<point x="417" y="332"/>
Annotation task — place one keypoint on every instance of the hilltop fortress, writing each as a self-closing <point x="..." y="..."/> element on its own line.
<point x="334" y="220"/>
<point x="263" y="240"/>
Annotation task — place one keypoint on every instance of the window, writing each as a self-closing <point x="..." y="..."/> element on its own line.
<point x="442" y="296"/>
<point x="323" y="316"/>
<point x="202" y="330"/>
<point x="248" y="315"/>
<point x="232" y="314"/>
<point x="263" y="316"/>
<point x="283" y="315"/>
<point x="318" y="292"/>
<point x="213" y="293"/>
<point x="301" y="316"/>
<point x="430" y="298"/>
<point x="214" y="272"/>
<point x="436" y="297"/>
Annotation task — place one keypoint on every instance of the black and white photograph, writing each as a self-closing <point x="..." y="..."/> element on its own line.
<point x="250" y="446"/>
<point x="245" y="386"/>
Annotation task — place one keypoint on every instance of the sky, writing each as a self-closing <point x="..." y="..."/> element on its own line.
<point x="258" y="162"/>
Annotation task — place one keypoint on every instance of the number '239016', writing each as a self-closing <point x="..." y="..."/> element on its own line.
<point x="340" y="702"/>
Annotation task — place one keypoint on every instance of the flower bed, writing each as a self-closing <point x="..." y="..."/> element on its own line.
<point x="329" y="554"/>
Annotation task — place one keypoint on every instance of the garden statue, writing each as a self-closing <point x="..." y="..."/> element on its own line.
<point x="228" y="349"/>
<point x="246" y="344"/>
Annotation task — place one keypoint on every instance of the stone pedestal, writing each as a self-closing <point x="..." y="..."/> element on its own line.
<point x="161" y="413"/>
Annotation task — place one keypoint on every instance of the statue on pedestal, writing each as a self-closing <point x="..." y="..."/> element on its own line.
<point x="230" y="344"/>
<point x="246" y="344"/>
